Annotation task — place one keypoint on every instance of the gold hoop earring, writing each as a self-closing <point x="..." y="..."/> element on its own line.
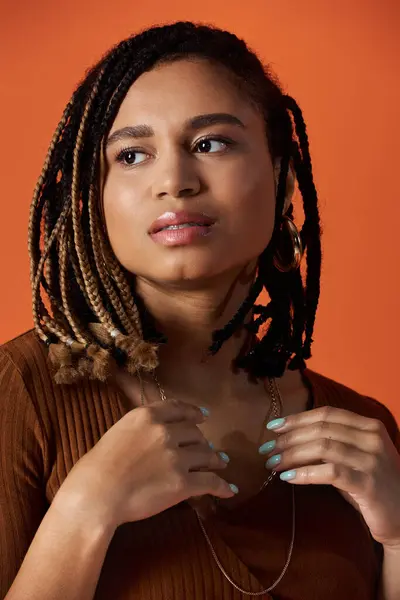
<point x="288" y="256"/>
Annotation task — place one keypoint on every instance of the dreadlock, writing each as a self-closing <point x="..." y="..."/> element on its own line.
<point x="83" y="300"/>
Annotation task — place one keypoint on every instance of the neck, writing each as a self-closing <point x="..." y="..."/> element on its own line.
<point x="188" y="317"/>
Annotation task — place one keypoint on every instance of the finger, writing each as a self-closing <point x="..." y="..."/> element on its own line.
<point x="327" y="451"/>
<point x="364" y="440"/>
<point x="342" y="477"/>
<point x="329" y="414"/>
<point x="174" y="411"/>
<point x="203" y="457"/>
<point x="201" y="483"/>
<point x="181" y="435"/>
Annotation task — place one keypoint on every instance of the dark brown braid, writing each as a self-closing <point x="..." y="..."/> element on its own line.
<point x="84" y="303"/>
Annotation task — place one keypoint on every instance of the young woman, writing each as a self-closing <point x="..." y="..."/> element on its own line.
<point x="161" y="435"/>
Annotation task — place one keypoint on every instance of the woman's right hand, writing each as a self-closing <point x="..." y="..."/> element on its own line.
<point x="151" y="459"/>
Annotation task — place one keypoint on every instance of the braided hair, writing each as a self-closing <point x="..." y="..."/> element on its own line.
<point x="84" y="304"/>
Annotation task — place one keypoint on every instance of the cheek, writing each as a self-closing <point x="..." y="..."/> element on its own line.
<point x="123" y="213"/>
<point x="252" y="208"/>
<point x="242" y="194"/>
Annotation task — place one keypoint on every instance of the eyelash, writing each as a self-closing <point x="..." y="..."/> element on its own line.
<point x="215" y="138"/>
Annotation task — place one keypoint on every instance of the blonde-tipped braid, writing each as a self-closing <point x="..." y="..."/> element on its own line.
<point x="56" y="305"/>
<point x="61" y="355"/>
<point x="38" y="273"/>
<point x="92" y="360"/>
<point x="33" y="216"/>
<point x="109" y="258"/>
<point x="104" y="276"/>
<point x="38" y="308"/>
<point x="63" y="264"/>
<point x="77" y="354"/>
<point x="73" y="359"/>
<point x="91" y="286"/>
<point x="47" y="232"/>
<point x="75" y="267"/>
<point x="122" y="285"/>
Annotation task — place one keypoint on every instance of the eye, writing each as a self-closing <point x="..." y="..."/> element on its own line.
<point x="211" y="145"/>
<point x="129" y="157"/>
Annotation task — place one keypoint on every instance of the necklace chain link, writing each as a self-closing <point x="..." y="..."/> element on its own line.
<point x="276" y="409"/>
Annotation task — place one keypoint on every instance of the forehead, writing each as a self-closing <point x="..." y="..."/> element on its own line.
<point x="179" y="90"/>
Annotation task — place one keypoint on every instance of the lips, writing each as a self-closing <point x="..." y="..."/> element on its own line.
<point x="172" y="219"/>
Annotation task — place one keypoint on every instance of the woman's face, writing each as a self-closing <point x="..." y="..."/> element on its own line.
<point x="196" y="155"/>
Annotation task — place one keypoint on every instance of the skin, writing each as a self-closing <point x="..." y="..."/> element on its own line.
<point x="193" y="290"/>
<point x="234" y="184"/>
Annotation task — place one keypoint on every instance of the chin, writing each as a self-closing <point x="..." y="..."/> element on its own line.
<point x="187" y="273"/>
<point x="192" y="267"/>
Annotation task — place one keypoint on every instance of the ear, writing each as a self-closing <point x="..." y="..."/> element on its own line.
<point x="290" y="183"/>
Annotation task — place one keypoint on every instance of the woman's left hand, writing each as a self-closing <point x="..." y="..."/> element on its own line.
<point x="332" y="446"/>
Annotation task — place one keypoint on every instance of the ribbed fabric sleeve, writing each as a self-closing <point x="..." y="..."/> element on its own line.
<point x="23" y="461"/>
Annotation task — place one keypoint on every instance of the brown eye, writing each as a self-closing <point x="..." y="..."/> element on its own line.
<point x="129" y="156"/>
<point x="212" y="145"/>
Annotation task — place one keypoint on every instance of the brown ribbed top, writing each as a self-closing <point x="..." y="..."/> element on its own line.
<point x="46" y="428"/>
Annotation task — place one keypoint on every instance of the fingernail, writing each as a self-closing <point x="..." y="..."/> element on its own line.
<point x="287" y="475"/>
<point x="211" y="445"/>
<point x="224" y="456"/>
<point x="234" y="488"/>
<point x="274" y="460"/>
<point x="276" y="423"/>
<point x="267" y="447"/>
<point x="205" y="411"/>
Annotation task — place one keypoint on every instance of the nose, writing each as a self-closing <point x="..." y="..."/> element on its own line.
<point x="175" y="176"/>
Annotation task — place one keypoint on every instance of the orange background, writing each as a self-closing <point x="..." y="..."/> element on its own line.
<point x="338" y="58"/>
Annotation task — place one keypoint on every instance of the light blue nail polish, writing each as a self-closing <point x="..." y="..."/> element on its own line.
<point x="205" y="411"/>
<point x="224" y="456"/>
<point x="267" y="447"/>
<point x="287" y="475"/>
<point x="234" y="488"/>
<point x="275" y="424"/>
<point x="211" y="445"/>
<point x="274" y="460"/>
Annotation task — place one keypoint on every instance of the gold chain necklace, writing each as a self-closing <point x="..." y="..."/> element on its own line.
<point x="276" y="409"/>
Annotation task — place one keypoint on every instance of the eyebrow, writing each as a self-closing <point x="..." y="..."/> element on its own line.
<point x="198" y="122"/>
